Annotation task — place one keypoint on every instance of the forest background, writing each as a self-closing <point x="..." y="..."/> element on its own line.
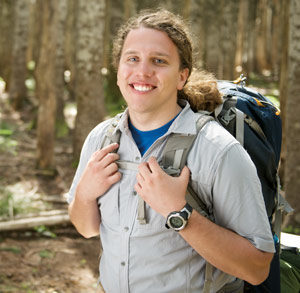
<point x="57" y="83"/>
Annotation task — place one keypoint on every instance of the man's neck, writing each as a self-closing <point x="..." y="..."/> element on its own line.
<point x="152" y="120"/>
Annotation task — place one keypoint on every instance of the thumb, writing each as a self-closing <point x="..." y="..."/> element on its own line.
<point x="185" y="175"/>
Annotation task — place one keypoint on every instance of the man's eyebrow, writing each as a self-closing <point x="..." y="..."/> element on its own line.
<point x="155" y="53"/>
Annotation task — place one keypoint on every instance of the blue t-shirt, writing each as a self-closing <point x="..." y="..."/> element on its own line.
<point x="144" y="139"/>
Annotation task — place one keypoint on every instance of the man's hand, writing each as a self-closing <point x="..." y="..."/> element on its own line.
<point x="162" y="192"/>
<point x="100" y="174"/>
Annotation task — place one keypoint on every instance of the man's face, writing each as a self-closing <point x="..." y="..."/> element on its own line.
<point x="149" y="72"/>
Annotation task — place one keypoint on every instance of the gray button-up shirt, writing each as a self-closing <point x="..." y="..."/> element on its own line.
<point x="150" y="258"/>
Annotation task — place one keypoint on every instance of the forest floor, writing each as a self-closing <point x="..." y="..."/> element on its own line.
<point x="44" y="259"/>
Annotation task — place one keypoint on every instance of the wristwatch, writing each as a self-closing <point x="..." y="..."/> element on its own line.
<point x="177" y="220"/>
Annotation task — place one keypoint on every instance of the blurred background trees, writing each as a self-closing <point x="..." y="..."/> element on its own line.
<point x="56" y="53"/>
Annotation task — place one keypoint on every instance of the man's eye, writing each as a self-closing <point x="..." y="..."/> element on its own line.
<point x="159" y="61"/>
<point x="132" y="59"/>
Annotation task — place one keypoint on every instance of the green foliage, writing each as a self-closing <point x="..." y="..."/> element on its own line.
<point x="30" y="84"/>
<point x="46" y="253"/>
<point x="13" y="249"/>
<point x="7" y="143"/>
<point x="10" y="203"/>
<point x="113" y="98"/>
<point x="5" y="201"/>
<point x="292" y="230"/>
<point x="43" y="230"/>
<point x="61" y="128"/>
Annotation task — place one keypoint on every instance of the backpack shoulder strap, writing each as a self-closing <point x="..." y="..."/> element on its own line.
<point x="178" y="146"/>
<point x="112" y="135"/>
<point x="174" y="158"/>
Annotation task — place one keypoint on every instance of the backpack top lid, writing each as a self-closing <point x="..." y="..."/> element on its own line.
<point x="260" y="109"/>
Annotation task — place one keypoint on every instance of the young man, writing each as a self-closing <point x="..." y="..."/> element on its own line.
<point x="153" y="55"/>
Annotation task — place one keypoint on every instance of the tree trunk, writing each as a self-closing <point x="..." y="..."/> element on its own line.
<point x="6" y="41"/>
<point x="211" y="24"/>
<point x="17" y="90"/>
<point x="228" y="40"/>
<point x="70" y="46"/>
<point x="292" y="164"/>
<point x="240" y="55"/>
<point x="60" y="125"/>
<point x="35" y="32"/>
<point x="276" y="38"/>
<point x="250" y="36"/>
<point x="89" y="91"/>
<point x="196" y="17"/>
<point x="49" y="81"/>
<point x="261" y="63"/>
<point x="285" y="15"/>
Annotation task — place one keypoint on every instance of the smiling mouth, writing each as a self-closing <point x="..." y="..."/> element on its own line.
<point x="142" y="88"/>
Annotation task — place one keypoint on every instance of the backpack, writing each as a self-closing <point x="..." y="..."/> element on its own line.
<point x="255" y="122"/>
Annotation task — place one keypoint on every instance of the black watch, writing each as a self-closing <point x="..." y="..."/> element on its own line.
<point x="178" y="220"/>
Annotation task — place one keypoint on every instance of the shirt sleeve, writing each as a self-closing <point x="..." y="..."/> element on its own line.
<point x="238" y="202"/>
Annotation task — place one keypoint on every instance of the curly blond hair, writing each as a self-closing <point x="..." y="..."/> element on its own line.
<point x="200" y="89"/>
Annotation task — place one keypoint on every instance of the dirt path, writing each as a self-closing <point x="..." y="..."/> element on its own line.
<point x="66" y="263"/>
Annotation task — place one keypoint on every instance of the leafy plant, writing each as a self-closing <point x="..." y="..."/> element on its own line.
<point x="13" y="249"/>
<point x="46" y="253"/>
<point x="7" y="144"/>
<point x="43" y="230"/>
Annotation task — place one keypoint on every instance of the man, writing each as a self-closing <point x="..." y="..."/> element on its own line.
<point x="153" y="56"/>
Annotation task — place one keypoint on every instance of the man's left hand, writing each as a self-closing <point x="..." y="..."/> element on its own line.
<point x="162" y="192"/>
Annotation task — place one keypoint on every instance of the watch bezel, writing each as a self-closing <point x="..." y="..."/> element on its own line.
<point x="183" y="214"/>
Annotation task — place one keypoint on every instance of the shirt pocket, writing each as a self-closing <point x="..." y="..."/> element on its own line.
<point x="155" y="223"/>
<point x="109" y="206"/>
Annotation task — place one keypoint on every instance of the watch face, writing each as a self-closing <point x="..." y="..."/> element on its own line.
<point x="176" y="222"/>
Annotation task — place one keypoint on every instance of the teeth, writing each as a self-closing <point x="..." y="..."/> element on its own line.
<point x="142" y="88"/>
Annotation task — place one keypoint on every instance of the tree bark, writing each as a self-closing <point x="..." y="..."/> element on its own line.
<point x="284" y="82"/>
<point x="89" y="91"/>
<point x="292" y="164"/>
<point x="211" y="24"/>
<point x="17" y="90"/>
<point x="6" y="41"/>
<point x="261" y="63"/>
<point x="49" y="76"/>
<point x="70" y="46"/>
<point x="196" y="17"/>
<point x="228" y="40"/>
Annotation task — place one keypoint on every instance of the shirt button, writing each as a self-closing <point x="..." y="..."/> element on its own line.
<point x="137" y="158"/>
<point x="134" y="193"/>
<point x="123" y="263"/>
<point x="126" y="229"/>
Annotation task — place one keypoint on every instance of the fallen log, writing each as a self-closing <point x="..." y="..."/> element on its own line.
<point x="27" y="223"/>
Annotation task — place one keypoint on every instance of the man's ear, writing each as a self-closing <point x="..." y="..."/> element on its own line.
<point x="183" y="76"/>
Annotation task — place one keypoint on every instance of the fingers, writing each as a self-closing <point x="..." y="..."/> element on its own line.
<point x="100" y="154"/>
<point x="154" y="166"/>
<point x="185" y="174"/>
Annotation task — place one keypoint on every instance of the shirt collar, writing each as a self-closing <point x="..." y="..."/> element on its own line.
<point x="184" y="123"/>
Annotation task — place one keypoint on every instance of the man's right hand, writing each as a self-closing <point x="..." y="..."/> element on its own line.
<point x="99" y="175"/>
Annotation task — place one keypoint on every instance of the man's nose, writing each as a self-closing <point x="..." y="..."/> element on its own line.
<point x="145" y="69"/>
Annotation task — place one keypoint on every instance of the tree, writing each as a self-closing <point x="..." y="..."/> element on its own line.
<point x="261" y="27"/>
<point x="211" y="35"/>
<point x="7" y="31"/>
<point x="49" y="80"/>
<point x="89" y="89"/>
<point x="228" y="39"/>
<point x="292" y="163"/>
<point x="284" y="82"/>
<point x="17" y="90"/>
